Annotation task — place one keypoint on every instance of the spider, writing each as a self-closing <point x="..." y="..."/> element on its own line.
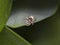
<point x="30" y="20"/>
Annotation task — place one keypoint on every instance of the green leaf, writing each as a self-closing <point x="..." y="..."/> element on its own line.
<point x="8" y="37"/>
<point x="5" y="8"/>
<point x="39" y="9"/>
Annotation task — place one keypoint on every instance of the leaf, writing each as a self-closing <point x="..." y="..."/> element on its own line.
<point x="8" y="37"/>
<point x="39" y="9"/>
<point x="5" y="8"/>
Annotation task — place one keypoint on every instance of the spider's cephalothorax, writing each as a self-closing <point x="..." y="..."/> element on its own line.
<point x="30" y="20"/>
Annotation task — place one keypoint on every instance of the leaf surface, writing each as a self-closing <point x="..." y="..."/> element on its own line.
<point x="9" y="37"/>
<point x="5" y="8"/>
<point x="39" y="9"/>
